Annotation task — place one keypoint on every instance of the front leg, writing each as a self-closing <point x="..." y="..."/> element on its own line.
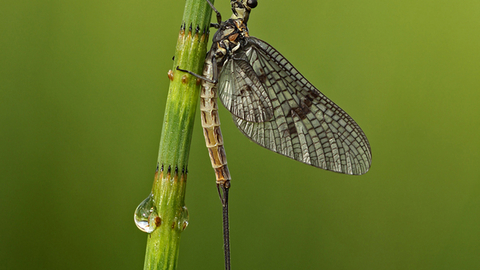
<point x="198" y="76"/>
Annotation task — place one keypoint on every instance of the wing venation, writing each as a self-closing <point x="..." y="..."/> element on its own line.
<point x="293" y="117"/>
<point x="242" y="92"/>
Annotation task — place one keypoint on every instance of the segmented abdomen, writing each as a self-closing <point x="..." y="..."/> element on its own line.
<point x="211" y="126"/>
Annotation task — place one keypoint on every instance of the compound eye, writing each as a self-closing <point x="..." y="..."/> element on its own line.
<point x="252" y="3"/>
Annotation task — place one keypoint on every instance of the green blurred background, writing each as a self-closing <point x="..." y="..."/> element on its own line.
<point x="82" y="93"/>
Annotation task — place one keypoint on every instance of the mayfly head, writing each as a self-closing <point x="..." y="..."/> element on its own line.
<point x="241" y="8"/>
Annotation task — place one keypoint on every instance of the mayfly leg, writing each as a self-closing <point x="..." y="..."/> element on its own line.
<point x="219" y="16"/>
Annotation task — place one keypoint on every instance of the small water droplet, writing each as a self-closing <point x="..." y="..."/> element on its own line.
<point x="146" y="217"/>
<point x="183" y="221"/>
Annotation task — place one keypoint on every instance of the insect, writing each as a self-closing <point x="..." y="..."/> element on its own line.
<point x="273" y="105"/>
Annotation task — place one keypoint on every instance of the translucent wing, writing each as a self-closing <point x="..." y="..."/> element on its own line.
<point x="242" y="93"/>
<point x="306" y="125"/>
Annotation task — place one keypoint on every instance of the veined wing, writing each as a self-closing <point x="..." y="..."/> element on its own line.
<point x="306" y="125"/>
<point x="242" y="93"/>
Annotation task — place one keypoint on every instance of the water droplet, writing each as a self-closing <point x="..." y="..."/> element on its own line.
<point x="183" y="221"/>
<point x="146" y="217"/>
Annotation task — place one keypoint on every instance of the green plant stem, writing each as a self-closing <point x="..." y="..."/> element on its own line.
<point x="170" y="179"/>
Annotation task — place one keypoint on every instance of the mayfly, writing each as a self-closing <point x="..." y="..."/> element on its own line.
<point x="273" y="105"/>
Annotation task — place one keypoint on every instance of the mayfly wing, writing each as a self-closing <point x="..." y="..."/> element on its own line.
<point x="306" y="125"/>
<point x="243" y="94"/>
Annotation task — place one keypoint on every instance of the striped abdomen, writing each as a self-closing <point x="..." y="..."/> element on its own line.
<point x="211" y="126"/>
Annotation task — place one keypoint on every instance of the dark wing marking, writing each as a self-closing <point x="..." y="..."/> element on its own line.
<point x="306" y="125"/>
<point x="242" y="93"/>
